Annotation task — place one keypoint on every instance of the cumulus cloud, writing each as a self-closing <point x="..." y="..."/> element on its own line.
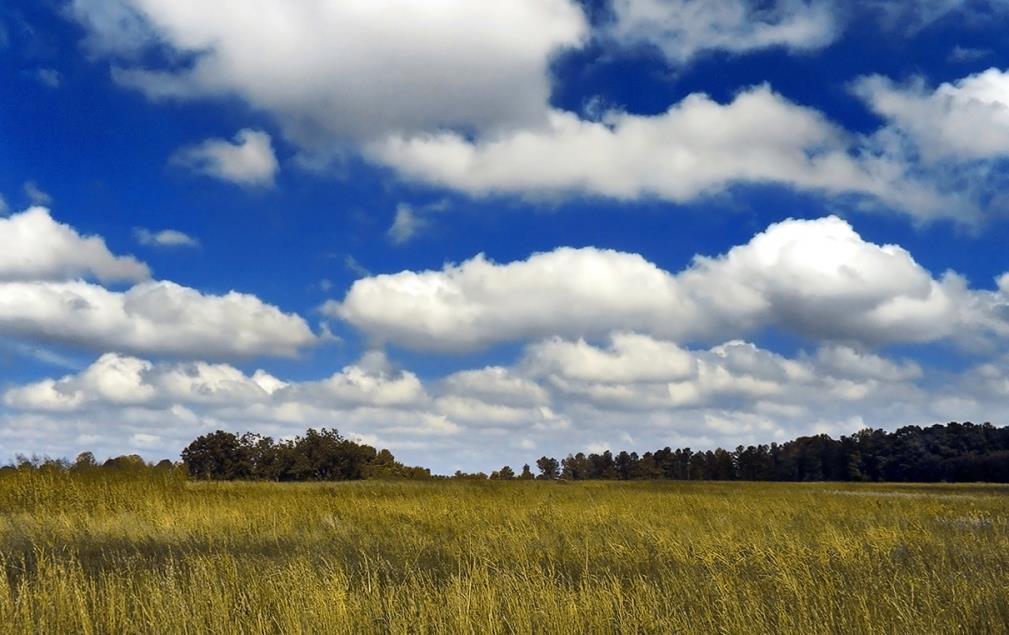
<point x="181" y="399"/>
<point x="464" y="63"/>
<point x="561" y="395"/>
<point x="464" y="101"/>
<point x="682" y="29"/>
<point x="497" y="385"/>
<point x="151" y="317"/>
<point x="816" y="278"/>
<point x="46" y="295"/>
<point x="115" y="380"/>
<point x="963" y="120"/>
<point x="697" y="147"/>
<point x="33" y="246"/>
<point x="247" y="160"/>
<point x="164" y="238"/>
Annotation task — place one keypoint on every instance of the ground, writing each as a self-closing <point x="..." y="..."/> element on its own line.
<point x="99" y="553"/>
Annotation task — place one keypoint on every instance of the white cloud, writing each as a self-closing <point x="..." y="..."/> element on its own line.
<point x="816" y="278"/>
<point x="464" y="101"/>
<point x="697" y="147"/>
<point x="248" y="160"/>
<point x="631" y="397"/>
<point x="151" y="317"/>
<point x="33" y="246"/>
<point x="120" y="380"/>
<point x="685" y="28"/>
<point x="631" y="357"/>
<point x="963" y="120"/>
<point x="498" y="385"/>
<point x="164" y="238"/>
<point x="460" y="63"/>
<point x="45" y="296"/>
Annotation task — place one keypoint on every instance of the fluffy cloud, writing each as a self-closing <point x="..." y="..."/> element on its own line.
<point x="151" y="317"/>
<point x="631" y="357"/>
<point x="963" y="120"/>
<point x="462" y="63"/>
<point x="45" y="296"/>
<point x="249" y="160"/>
<point x="559" y="396"/>
<point x="685" y="28"/>
<point x="117" y="380"/>
<point x="179" y="400"/>
<point x="816" y="278"/>
<point x="697" y="147"/>
<point x="33" y="246"/>
<point x="496" y="385"/>
<point x="164" y="238"/>
<point x="464" y="101"/>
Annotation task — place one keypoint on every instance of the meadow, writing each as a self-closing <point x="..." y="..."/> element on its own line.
<point x="104" y="552"/>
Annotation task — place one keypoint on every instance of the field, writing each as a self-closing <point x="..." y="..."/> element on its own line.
<point x="107" y="553"/>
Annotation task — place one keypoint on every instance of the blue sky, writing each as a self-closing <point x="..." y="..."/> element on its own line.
<point x="839" y="171"/>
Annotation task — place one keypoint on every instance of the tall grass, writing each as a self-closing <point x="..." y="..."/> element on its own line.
<point x="100" y="553"/>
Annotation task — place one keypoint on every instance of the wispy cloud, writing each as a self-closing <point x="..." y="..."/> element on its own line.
<point x="164" y="238"/>
<point x="36" y="194"/>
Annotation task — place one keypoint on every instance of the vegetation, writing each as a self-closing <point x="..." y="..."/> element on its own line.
<point x="318" y="455"/>
<point x="955" y="452"/>
<point x="145" y="550"/>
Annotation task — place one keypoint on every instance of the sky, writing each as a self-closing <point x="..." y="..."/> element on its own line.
<point x="478" y="232"/>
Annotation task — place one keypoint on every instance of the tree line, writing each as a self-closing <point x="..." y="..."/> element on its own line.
<point x="317" y="455"/>
<point x="953" y="452"/>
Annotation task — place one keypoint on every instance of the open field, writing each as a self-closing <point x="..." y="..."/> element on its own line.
<point x="108" y="553"/>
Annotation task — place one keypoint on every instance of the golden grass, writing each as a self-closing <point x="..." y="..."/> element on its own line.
<point x="100" y="553"/>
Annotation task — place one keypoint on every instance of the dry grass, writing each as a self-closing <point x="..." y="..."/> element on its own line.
<point x="108" y="554"/>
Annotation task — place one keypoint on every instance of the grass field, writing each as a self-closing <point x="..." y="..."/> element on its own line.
<point x="100" y="553"/>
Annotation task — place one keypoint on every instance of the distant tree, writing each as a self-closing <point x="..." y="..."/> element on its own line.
<point x="625" y="464"/>
<point x="575" y="468"/>
<point x="527" y="474"/>
<point x="125" y="462"/>
<point x="85" y="461"/>
<point x="219" y="455"/>
<point x="602" y="466"/>
<point x="647" y="468"/>
<point x="467" y="476"/>
<point x="549" y="468"/>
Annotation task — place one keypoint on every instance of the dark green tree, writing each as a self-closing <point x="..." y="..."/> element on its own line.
<point x="549" y="468"/>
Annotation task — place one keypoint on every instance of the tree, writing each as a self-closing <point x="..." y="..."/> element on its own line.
<point x="575" y="468"/>
<point x="85" y="461"/>
<point x="504" y="474"/>
<point x="549" y="468"/>
<point x="126" y="462"/>
<point x="527" y="474"/>
<point x="219" y="455"/>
